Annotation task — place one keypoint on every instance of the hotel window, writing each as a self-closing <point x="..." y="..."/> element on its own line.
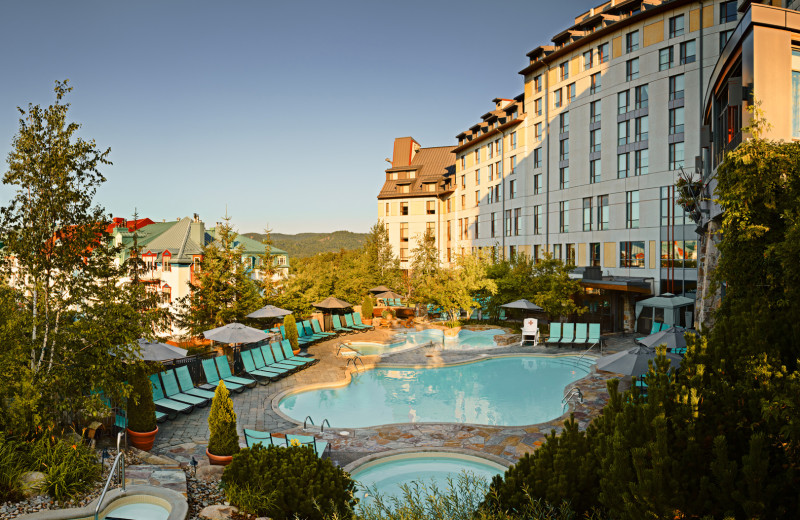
<point x="449" y="205"/>
<point x="563" y="216"/>
<point x="641" y="160"/>
<point x="477" y="228"/>
<point x="498" y="192"/>
<point x="795" y="98"/>
<point x="632" y="209"/>
<point x="603" y="54"/>
<point x="463" y="181"/>
<point x="557" y="102"/>
<point x="537" y="130"/>
<point x="641" y="97"/>
<point x="594" y="254"/>
<point x="463" y="201"/>
<point x="727" y="12"/>
<point x="513" y="140"/>
<point x="676" y="87"/>
<point x="493" y="230"/>
<point x="166" y="266"/>
<point x="537" y="83"/>
<point x="537" y="157"/>
<point x="640" y="127"/>
<point x="403" y="254"/>
<point x="676" y="120"/>
<point x="404" y="232"/>
<point x="570" y="92"/>
<point x="623" y="131"/>
<point x="491" y="172"/>
<point x="513" y="164"/>
<point x="477" y="155"/>
<point x="491" y="195"/>
<point x="429" y="186"/>
<point x="571" y="254"/>
<point x="508" y="222"/>
<point x="563" y="178"/>
<point x="587" y="214"/>
<point x="537" y="253"/>
<point x="665" y="58"/>
<point x="489" y="149"/>
<point x="166" y="293"/>
<point x="538" y="220"/>
<point x="602" y="212"/>
<point x="594" y="140"/>
<point x="632" y="42"/>
<point x="675" y="156"/>
<point x="671" y="212"/>
<point x="513" y="114"/>
<point x="478" y="177"/>
<point x="631" y="254"/>
<point x="594" y="111"/>
<point x="517" y="222"/>
<point x="563" y="122"/>
<point x="679" y="253"/>
<point x="449" y="254"/>
<point x="686" y="54"/>
<point x="557" y="251"/>
<point x="594" y="88"/>
<point x="537" y="106"/>
<point x="477" y="197"/>
<point x="430" y="207"/>
<point x="622" y="165"/>
<point x="463" y="162"/>
<point x="430" y="228"/>
<point x="563" y="71"/>
<point x="676" y="26"/>
<point x="563" y="150"/>
<point x="632" y="69"/>
<point x="512" y="189"/>
<point x="537" y="184"/>
<point x="588" y="61"/>
<point x="594" y="171"/>
<point x="724" y="36"/>
<point x="404" y="208"/>
<point x="497" y="147"/>
<point x="386" y="209"/>
<point x="623" y="101"/>
<point x="498" y="168"/>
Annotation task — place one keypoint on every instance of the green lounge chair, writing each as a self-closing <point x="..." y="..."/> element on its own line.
<point x="213" y="379"/>
<point x="170" y="405"/>
<point x="320" y="447"/>
<point x="348" y="318"/>
<point x="337" y="325"/>
<point x="594" y="334"/>
<point x="555" y="333"/>
<point x="277" y="353"/>
<point x="253" y="437"/>
<point x="121" y="418"/>
<point x="271" y="362"/>
<point x="581" y="333"/>
<point x="286" y="347"/>
<point x="187" y="385"/>
<point x="225" y="373"/>
<point x="261" y="364"/>
<point x="301" y="339"/>
<point x="357" y="319"/>
<point x="283" y="332"/>
<point x="310" y="332"/>
<point x="173" y="391"/>
<point x="318" y="330"/>
<point x="262" y="376"/>
<point x="567" y="334"/>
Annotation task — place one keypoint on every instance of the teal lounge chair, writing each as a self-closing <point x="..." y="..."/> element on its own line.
<point x="267" y="364"/>
<point x="254" y="437"/>
<point x="173" y="391"/>
<point x="555" y="334"/>
<point x="320" y="447"/>
<point x="272" y="362"/>
<point x="262" y="376"/>
<point x="594" y="334"/>
<point x="318" y="330"/>
<point x="187" y="385"/>
<point x="310" y="332"/>
<point x="286" y="347"/>
<point x="337" y="325"/>
<point x="567" y="334"/>
<point x="348" y="318"/>
<point x="213" y="379"/>
<point x="170" y="405"/>
<point x="225" y="373"/>
<point x="277" y="353"/>
<point x="301" y="339"/>
<point x="581" y="333"/>
<point x="121" y="418"/>
<point x="283" y="332"/>
<point x="357" y="320"/>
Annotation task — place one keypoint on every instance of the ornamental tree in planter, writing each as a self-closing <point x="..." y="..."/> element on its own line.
<point x="367" y="309"/>
<point x="142" y="428"/>
<point x="224" y="441"/>
<point x="290" y="326"/>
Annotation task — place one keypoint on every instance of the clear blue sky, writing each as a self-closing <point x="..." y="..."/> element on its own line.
<point x="281" y="111"/>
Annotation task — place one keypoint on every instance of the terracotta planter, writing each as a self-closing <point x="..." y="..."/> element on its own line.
<point x="218" y="460"/>
<point x="295" y="351"/>
<point x="142" y="440"/>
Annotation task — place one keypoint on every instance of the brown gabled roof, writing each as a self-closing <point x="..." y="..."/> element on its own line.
<point x="431" y="165"/>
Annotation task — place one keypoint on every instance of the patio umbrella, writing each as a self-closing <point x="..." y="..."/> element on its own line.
<point x="155" y="351"/>
<point x="671" y="337"/>
<point x="522" y="304"/>
<point x="331" y="303"/>
<point x="389" y="294"/>
<point x="235" y="333"/>
<point x="379" y="289"/>
<point x="633" y="362"/>
<point x="270" y="311"/>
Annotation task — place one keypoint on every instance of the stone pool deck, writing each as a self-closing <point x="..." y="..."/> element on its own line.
<point x="187" y="435"/>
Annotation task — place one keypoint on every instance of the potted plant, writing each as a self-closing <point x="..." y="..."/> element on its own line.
<point x="142" y="428"/>
<point x="224" y="441"/>
<point x="367" y="310"/>
<point x="290" y="326"/>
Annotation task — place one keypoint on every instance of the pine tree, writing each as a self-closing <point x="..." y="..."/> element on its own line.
<point x="224" y="440"/>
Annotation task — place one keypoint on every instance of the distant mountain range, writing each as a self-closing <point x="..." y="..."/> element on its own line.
<point x="310" y="244"/>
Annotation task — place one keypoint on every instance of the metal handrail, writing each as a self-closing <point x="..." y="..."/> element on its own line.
<point x="354" y="360"/>
<point x="345" y="345"/>
<point x="587" y="351"/>
<point x="305" y="422"/>
<point x="322" y="427"/>
<point x="119" y="459"/>
<point x="572" y="392"/>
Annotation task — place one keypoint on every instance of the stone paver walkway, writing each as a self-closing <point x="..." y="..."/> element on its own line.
<point x="187" y="436"/>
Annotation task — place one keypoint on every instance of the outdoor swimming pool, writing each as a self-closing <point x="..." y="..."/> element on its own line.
<point x="466" y="340"/>
<point x="508" y="390"/>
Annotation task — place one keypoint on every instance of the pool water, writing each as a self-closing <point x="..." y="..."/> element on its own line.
<point x="504" y="391"/>
<point x="140" y="511"/>
<point x="466" y="340"/>
<point x="387" y="475"/>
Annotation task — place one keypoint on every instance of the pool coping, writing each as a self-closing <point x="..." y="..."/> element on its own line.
<point x="370" y="366"/>
<point x="429" y="449"/>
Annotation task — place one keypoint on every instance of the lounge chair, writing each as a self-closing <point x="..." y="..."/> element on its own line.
<point x="213" y="379"/>
<point x="310" y="332"/>
<point x="267" y="364"/>
<point x="594" y="334"/>
<point x="283" y="332"/>
<point x="121" y="418"/>
<point x="173" y="391"/>
<point x="271" y="362"/>
<point x="301" y="338"/>
<point x="337" y="325"/>
<point x="357" y="321"/>
<point x="250" y="368"/>
<point x="348" y="318"/>
<point x="555" y="334"/>
<point x="581" y="333"/>
<point x="225" y="373"/>
<point x="253" y="437"/>
<point x="170" y="405"/>
<point x="318" y="330"/>
<point x="286" y="347"/>
<point x="277" y="353"/>
<point x="187" y="385"/>
<point x="320" y="447"/>
<point x="567" y="334"/>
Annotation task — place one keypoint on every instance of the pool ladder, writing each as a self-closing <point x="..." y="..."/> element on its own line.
<point x="120" y="459"/>
<point x="354" y="360"/>
<point x="571" y="394"/>
<point x="308" y="419"/>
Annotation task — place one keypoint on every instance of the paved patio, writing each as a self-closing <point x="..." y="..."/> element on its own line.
<point x="187" y="435"/>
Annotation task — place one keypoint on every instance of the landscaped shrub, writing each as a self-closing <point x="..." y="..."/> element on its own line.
<point x="283" y="482"/>
<point x="141" y="410"/>
<point x="12" y="465"/>
<point x="388" y="314"/>
<point x="222" y="422"/>
<point x="290" y="326"/>
<point x="367" y="307"/>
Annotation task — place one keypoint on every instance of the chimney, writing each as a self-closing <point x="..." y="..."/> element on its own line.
<point x="197" y="232"/>
<point x="404" y="150"/>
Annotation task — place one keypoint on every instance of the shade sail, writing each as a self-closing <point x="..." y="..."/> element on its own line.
<point x="235" y="333"/>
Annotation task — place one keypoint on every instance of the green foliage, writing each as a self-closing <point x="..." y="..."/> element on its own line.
<point x="290" y="326"/>
<point x="267" y="267"/>
<point x="303" y="245"/>
<point x="222" y="423"/>
<point x="12" y="466"/>
<point x="367" y="307"/>
<point x="382" y="267"/>
<point x="284" y="482"/>
<point x="141" y="410"/>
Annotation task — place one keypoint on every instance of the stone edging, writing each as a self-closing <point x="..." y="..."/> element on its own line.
<point x="429" y="449"/>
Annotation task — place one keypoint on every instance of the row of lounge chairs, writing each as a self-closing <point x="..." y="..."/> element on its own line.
<point x="266" y="439"/>
<point x="576" y="334"/>
<point x="309" y="331"/>
<point x="391" y="302"/>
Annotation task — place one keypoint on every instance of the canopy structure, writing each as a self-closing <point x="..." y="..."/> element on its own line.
<point x="673" y="337"/>
<point x="634" y="362"/>
<point x="666" y="308"/>
<point x="390" y="295"/>
<point x="235" y="333"/>
<point x="155" y="351"/>
<point x="269" y="311"/>
<point x="332" y="303"/>
<point x="379" y="289"/>
<point x="522" y="304"/>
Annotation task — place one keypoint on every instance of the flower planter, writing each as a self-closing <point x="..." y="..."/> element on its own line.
<point x="295" y="351"/>
<point x="218" y="460"/>
<point x="142" y="440"/>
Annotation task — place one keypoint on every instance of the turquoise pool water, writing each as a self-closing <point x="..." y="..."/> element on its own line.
<point x="139" y="511"/>
<point x="466" y="340"/>
<point x="501" y="391"/>
<point x="386" y="475"/>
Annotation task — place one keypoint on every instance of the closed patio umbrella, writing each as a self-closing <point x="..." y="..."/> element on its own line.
<point x="672" y="337"/>
<point x="235" y="333"/>
<point x="155" y="351"/>
<point x="269" y="311"/>
<point x="633" y="362"/>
